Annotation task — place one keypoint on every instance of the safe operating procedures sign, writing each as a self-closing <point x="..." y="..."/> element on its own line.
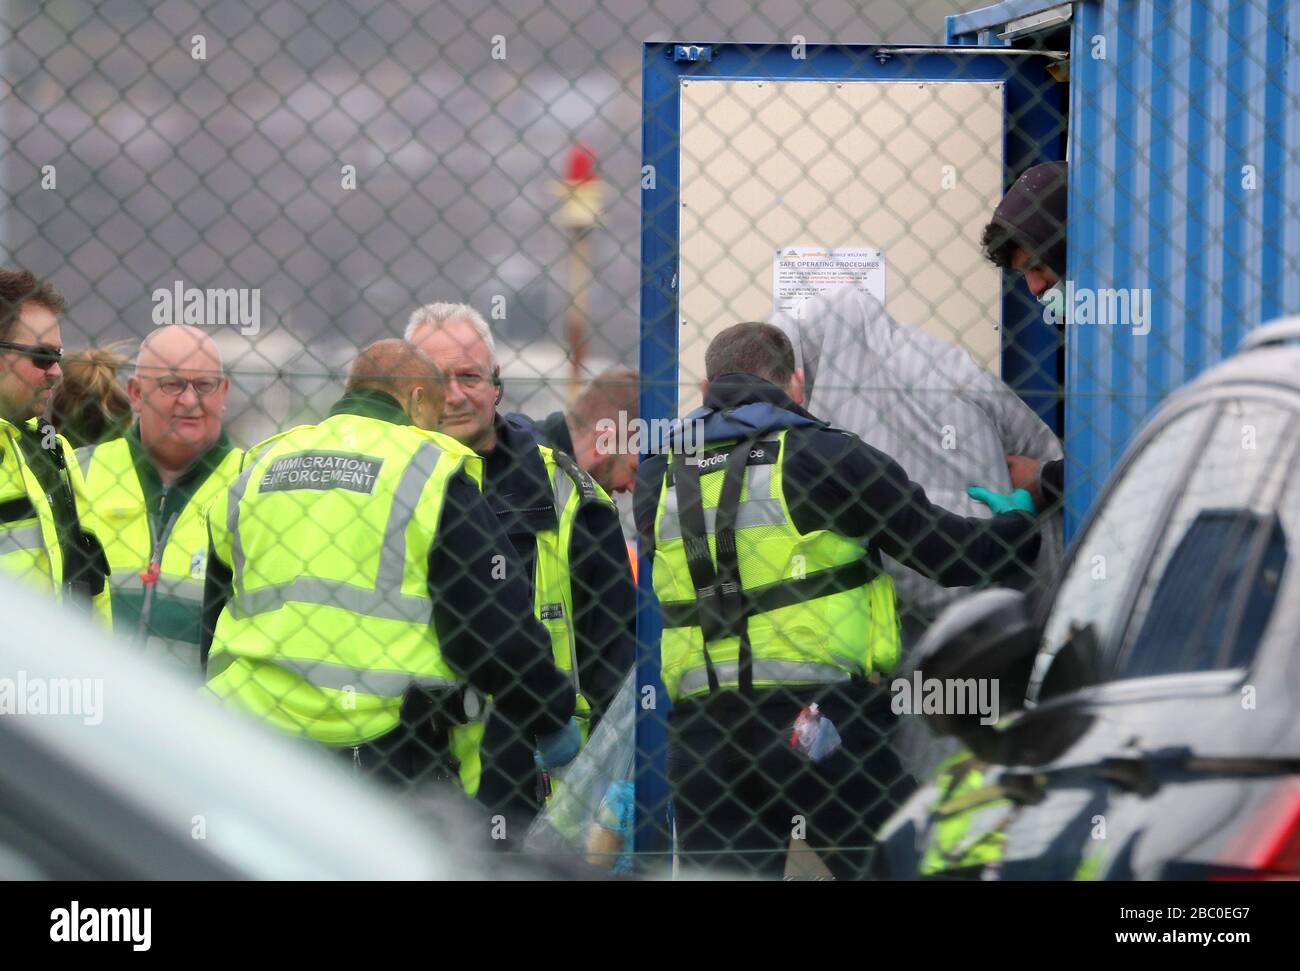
<point x="322" y="471"/>
<point x="800" y="273"/>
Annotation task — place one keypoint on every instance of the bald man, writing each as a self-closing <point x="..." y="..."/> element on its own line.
<point x="146" y="495"/>
<point x="358" y="581"/>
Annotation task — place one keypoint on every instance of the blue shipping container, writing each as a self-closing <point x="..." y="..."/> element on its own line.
<point x="1184" y="183"/>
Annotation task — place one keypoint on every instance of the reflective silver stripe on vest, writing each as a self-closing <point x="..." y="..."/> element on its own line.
<point x="322" y="674"/>
<point x="218" y="663"/>
<point x="562" y="487"/>
<point x="233" y="499"/>
<point x="759" y="481"/>
<point x="19" y="538"/>
<point x="781" y="672"/>
<point x="392" y="557"/>
<point x="85" y="455"/>
<point x="757" y="512"/>
<point x="337" y="677"/>
<point x="333" y="593"/>
<point x="385" y="600"/>
<point x="759" y="508"/>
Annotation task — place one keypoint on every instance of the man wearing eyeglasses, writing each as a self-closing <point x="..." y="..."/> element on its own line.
<point x="146" y="494"/>
<point x="564" y="526"/>
<point x="42" y="539"/>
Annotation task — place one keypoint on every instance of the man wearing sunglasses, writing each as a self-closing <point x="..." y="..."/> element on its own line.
<point x="42" y="539"/>
<point x="147" y="494"/>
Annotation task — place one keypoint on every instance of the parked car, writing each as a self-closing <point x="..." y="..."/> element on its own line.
<point x="1156" y="683"/>
<point x="112" y="768"/>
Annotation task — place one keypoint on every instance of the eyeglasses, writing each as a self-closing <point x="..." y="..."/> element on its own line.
<point x="472" y="380"/>
<point x="468" y="380"/>
<point x="174" y="387"/>
<point x="43" y="356"/>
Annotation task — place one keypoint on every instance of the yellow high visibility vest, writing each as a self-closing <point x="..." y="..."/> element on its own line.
<point x="817" y="609"/>
<point x="969" y="818"/>
<point x="29" y="540"/>
<point x="327" y="531"/>
<point x="162" y="613"/>
<point x="572" y="488"/>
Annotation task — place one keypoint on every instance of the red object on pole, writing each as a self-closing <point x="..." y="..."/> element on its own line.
<point x="581" y="191"/>
<point x="580" y="166"/>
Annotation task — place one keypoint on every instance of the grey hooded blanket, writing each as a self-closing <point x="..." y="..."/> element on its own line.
<point x="926" y="403"/>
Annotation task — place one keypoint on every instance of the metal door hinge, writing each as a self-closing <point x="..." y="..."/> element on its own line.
<point x="692" y="52"/>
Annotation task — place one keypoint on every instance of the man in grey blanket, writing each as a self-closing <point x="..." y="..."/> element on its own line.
<point x="947" y="421"/>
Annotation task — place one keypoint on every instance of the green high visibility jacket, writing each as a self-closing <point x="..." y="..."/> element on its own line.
<point x="571" y="490"/>
<point x="327" y="532"/>
<point x="39" y="524"/>
<point x="156" y="540"/>
<point x="747" y="600"/>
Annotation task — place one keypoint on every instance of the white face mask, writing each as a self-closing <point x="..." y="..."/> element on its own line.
<point x="1053" y="301"/>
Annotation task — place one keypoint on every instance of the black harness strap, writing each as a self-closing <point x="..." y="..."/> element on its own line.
<point x="695" y="540"/>
<point x="731" y="591"/>
<point x="786" y="593"/>
<point x="719" y="596"/>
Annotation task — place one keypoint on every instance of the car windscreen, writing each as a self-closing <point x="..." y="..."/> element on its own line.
<point x="1181" y="567"/>
<point x="1210" y="589"/>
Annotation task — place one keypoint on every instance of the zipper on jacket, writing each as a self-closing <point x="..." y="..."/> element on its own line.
<point x="151" y="574"/>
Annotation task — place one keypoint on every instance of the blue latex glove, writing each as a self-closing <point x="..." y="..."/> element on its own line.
<point x="558" y="748"/>
<point x="618" y="807"/>
<point x="1000" y="502"/>
<point x="617" y="813"/>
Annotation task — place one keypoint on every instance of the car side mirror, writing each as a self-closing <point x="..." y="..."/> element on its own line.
<point x="981" y="644"/>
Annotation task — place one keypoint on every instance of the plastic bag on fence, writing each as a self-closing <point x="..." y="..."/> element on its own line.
<point x="591" y="808"/>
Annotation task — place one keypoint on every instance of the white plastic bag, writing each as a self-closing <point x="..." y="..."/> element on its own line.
<point x="590" y="810"/>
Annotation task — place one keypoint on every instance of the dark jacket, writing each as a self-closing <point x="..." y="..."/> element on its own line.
<point x="554" y="429"/>
<point x="604" y="596"/>
<point x="835" y="481"/>
<point x="1051" y="482"/>
<point x="493" y="641"/>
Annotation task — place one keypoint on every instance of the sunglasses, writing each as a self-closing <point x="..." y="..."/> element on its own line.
<point x="44" y="356"/>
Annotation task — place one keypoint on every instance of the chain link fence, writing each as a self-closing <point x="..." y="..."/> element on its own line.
<point x="298" y="181"/>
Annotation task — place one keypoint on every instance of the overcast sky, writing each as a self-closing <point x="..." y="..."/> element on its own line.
<point x="226" y="171"/>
